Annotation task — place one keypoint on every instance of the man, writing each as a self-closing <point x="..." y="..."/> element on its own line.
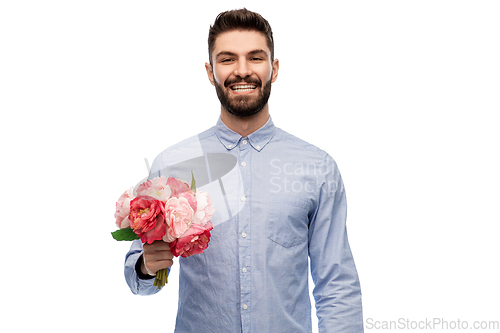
<point x="279" y="202"/>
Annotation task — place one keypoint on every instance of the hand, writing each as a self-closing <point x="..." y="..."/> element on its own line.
<point x="156" y="256"/>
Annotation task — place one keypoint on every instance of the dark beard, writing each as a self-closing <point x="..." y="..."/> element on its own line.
<point x="240" y="105"/>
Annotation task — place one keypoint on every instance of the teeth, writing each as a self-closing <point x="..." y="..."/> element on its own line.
<point x="246" y="87"/>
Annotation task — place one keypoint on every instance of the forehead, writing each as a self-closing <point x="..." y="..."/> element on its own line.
<point x="240" y="42"/>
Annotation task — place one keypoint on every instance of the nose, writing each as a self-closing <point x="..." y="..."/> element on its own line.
<point x="243" y="69"/>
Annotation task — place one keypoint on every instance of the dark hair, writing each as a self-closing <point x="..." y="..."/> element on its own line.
<point x="239" y="19"/>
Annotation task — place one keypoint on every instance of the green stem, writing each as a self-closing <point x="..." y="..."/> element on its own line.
<point x="161" y="278"/>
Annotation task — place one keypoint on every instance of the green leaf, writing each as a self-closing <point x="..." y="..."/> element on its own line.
<point x="126" y="234"/>
<point x="193" y="182"/>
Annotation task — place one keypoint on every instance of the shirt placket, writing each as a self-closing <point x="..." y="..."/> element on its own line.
<point x="245" y="235"/>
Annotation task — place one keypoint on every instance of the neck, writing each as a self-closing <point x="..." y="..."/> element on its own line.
<point x="245" y="125"/>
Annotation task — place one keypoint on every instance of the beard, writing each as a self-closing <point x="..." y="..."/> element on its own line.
<point x="243" y="106"/>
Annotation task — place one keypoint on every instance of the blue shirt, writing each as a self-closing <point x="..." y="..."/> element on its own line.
<point x="280" y="205"/>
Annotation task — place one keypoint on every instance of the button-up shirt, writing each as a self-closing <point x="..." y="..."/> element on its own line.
<point x="280" y="207"/>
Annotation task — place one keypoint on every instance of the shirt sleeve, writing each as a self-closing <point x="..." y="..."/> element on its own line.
<point x="337" y="290"/>
<point x="137" y="285"/>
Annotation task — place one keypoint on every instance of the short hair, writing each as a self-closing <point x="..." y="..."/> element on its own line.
<point x="239" y="19"/>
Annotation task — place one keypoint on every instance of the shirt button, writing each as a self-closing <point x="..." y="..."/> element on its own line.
<point x="243" y="198"/>
<point x="245" y="306"/>
<point x="258" y="147"/>
<point x="243" y="234"/>
<point x="244" y="142"/>
<point x="244" y="270"/>
<point x="243" y="164"/>
<point x="230" y="146"/>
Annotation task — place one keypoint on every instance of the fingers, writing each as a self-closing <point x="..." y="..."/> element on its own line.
<point x="156" y="256"/>
<point x="151" y="268"/>
<point x="157" y="245"/>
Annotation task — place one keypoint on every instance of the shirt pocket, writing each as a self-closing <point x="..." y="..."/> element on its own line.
<point x="288" y="222"/>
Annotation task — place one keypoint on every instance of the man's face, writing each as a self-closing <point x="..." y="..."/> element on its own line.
<point x="242" y="71"/>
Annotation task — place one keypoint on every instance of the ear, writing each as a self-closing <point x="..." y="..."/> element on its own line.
<point x="276" y="67"/>
<point x="210" y="73"/>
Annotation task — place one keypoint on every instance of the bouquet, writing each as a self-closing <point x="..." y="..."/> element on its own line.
<point x="166" y="209"/>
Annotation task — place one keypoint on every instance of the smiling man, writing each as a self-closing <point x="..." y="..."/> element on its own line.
<point x="280" y="204"/>
<point x="244" y="71"/>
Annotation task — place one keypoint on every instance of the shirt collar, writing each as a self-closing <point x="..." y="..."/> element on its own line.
<point x="258" y="139"/>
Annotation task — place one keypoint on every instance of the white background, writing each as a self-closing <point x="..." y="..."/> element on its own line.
<point x="403" y="94"/>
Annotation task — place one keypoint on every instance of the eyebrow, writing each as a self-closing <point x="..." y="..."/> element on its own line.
<point x="231" y="54"/>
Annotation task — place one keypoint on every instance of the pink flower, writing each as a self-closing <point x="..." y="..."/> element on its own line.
<point x="178" y="216"/>
<point x="147" y="218"/>
<point x="156" y="188"/>
<point x="177" y="186"/>
<point x="182" y="189"/>
<point x="123" y="209"/>
<point x="205" y="209"/>
<point x="194" y="241"/>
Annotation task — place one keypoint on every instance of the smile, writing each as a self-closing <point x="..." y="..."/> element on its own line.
<point x="243" y="87"/>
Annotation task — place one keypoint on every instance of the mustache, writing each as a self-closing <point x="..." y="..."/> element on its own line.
<point x="255" y="81"/>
